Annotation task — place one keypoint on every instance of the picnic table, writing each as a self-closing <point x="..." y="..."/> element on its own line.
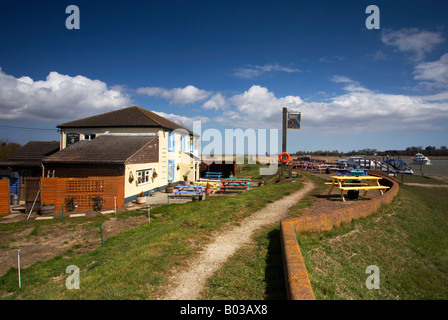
<point x="180" y="190"/>
<point x="346" y="183"/>
<point x="218" y="181"/>
<point x="210" y="174"/>
<point x="213" y="184"/>
<point x="353" y="172"/>
<point x="235" y="183"/>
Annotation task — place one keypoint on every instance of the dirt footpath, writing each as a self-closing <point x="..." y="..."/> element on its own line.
<point x="188" y="284"/>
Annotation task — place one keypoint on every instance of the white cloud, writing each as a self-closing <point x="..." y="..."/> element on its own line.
<point x="412" y="40"/>
<point x="55" y="98"/>
<point x="358" y="110"/>
<point x="256" y="107"/>
<point x="184" y="121"/>
<point x="217" y="102"/>
<point x="189" y="94"/>
<point x="341" y="79"/>
<point x="378" y="55"/>
<point x="362" y="110"/>
<point x="436" y="72"/>
<point x="254" y="71"/>
<point x="331" y="59"/>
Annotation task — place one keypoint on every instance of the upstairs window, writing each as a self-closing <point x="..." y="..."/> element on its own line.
<point x="182" y="143"/>
<point x="171" y="141"/>
<point x="89" y="136"/>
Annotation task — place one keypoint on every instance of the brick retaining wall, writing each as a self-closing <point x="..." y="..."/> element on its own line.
<point x="297" y="281"/>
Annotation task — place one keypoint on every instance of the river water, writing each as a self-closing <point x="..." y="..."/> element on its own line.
<point x="438" y="167"/>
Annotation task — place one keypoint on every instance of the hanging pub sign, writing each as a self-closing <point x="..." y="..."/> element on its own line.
<point x="71" y="138"/>
<point x="293" y="121"/>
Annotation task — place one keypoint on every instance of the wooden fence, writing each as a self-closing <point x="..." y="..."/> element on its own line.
<point x="85" y="192"/>
<point x="4" y="197"/>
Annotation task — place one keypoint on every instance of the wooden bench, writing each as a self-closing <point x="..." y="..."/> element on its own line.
<point x="365" y="188"/>
<point x="213" y="175"/>
<point x="213" y="184"/>
<point x="350" y="183"/>
<point x="236" y="183"/>
<point x="188" y="191"/>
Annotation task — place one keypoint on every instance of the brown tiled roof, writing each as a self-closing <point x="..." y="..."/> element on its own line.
<point x="127" y="117"/>
<point x="33" y="152"/>
<point x="103" y="149"/>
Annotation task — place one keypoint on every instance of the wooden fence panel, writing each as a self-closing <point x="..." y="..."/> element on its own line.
<point x="4" y="197"/>
<point x="32" y="194"/>
<point x="57" y="190"/>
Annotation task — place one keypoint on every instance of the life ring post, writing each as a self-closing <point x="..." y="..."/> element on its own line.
<point x="284" y="157"/>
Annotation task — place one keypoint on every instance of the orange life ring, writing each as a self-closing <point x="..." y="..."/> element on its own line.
<point x="287" y="157"/>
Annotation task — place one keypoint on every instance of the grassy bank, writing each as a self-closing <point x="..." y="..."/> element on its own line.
<point x="136" y="263"/>
<point x="255" y="272"/>
<point x="406" y="240"/>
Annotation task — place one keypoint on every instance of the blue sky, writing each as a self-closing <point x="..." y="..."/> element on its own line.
<point x="232" y="64"/>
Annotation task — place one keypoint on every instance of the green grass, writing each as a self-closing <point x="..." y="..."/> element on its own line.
<point x="254" y="272"/>
<point x="136" y="263"/>
<point x="306" y="202"/>
<point x="406" y="240"/>
<point x="415" y="178"/>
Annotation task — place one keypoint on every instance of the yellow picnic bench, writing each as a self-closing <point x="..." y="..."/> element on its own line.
<point x="343" y="183"/>
<point x="213" y="184"/>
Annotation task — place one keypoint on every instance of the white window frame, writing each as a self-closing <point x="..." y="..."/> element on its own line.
<point x="145" y="175"/>
<point x="89" y="136"/>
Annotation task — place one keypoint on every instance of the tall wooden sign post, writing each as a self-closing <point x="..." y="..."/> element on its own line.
<point x="284" y="134"/>
<point x="290" y="121"/>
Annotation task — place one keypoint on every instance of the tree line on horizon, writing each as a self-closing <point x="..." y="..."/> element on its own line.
<point x="7" y="149"/>
<point x="409" y="151"/>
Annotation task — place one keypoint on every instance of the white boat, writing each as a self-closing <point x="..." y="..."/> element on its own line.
<point x="342" y="163"/>
<point x="398" y="165"/>
<point x="359" y="162"/>
<point x="421" y="159"/>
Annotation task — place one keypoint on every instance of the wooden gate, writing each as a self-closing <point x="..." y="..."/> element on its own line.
<point x="32" y="193"/>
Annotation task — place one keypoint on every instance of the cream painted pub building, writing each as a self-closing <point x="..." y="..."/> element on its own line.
<point x="147" y="150"/>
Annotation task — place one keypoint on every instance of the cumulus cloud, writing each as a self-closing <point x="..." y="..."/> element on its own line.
<point x="254" y="71"/>
<point x="189" y="94"/>
<point x="55" y="98"/>
<point x="412" y="40"/>
<point x="184" y="121"/>
<point x="217" y="102"/>
<point x="361" y="109"/>
<point x="433" y="73"/>
<point x="357" y="110"/>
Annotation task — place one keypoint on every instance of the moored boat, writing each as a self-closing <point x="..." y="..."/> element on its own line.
<point x="399" y="165"/>
<point x="421" y="159"/>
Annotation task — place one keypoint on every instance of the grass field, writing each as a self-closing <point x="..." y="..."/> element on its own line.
<point x="136" y="263"/>
<point x="407" y="241"/>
